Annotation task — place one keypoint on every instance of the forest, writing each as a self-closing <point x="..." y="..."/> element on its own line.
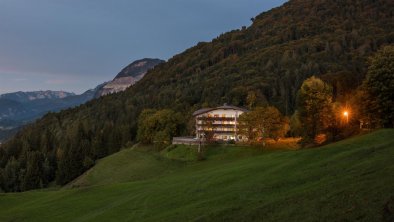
<point x="270" y="60"/>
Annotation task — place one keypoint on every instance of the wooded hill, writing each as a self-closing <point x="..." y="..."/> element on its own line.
<point x="270" y="59"/>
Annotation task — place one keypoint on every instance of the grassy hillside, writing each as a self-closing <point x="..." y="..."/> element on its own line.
<point x="126" y="165"/>
<point x="347" y="181"/>
<point x="138" y="164"/>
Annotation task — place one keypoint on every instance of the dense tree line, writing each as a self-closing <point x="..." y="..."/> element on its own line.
<point x="264" y="64"/>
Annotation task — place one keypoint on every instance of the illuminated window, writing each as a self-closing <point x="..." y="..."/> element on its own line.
<point x="224" y="115"/>
<point x="216" y="115"/>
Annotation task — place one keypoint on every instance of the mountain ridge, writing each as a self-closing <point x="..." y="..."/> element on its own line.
<point x="128" y="76"/>
<point x="21" y="96"/>
<point x="138" y="67"/>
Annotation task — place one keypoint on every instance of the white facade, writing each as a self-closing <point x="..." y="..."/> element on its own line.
<point x="222" y="121"/>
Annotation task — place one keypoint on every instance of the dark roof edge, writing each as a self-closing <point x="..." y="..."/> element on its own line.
<point x="205" y="110"/>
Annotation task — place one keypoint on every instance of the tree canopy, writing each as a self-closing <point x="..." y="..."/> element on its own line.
<point x="314" y="106"/>
<point x="261" y="123"/>
<point x="379" y="86"/>
<point x="159" y="126"/>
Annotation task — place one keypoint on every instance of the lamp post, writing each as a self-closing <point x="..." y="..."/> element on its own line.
<point x="202" y="137"/>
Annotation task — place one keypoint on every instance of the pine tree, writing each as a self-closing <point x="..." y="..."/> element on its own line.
<point x="34" y="177"/>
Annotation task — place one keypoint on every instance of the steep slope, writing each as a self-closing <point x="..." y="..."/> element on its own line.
<point x="347" y="181"/>
<point x="128" y="76"/>
<point x="270" y="60"/>
<point x="139" y="163"/>
<point x="126" y="166"/>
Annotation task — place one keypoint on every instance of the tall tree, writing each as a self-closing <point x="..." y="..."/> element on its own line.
<point x="11" y="176"/>
<point x="379" y="85"/>
<point x="314" y="106"/>
<point x="34" y="177"/>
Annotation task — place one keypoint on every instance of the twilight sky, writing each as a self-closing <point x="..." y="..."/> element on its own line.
<point x="74" y="45"/>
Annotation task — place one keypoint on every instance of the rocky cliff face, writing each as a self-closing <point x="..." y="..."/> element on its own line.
<point x="128" y="76"/>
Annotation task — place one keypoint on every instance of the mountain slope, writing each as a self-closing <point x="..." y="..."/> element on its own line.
<point x="128" y="76"/>
<point x="126" y="166"/>
<point x="270" y="60"/>
<point x="346" y="181"/>
<point x="9" y="107"/>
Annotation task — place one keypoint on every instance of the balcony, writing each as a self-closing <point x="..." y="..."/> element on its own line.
<point x="230" y="125"/>
<point x="218" y="131"/>
<point x="205" y="118"/>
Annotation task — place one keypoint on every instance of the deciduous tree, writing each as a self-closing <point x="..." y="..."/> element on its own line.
<point x="314" y="106"/>
<point x="379" y="85"/>
<point x="159" y="126"/>
<point x="261" y="123"/>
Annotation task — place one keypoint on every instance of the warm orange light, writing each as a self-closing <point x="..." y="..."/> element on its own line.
<point x="346" y="115"/>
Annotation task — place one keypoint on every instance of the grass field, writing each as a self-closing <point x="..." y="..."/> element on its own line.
<point x="352" y="180"/>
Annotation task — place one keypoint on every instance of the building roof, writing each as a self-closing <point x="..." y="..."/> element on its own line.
<point x="225" y="106"/>
<point x="201" y="111"/>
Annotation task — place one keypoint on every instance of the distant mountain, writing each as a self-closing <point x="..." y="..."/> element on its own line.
<point x="20" y="108"/>
<point x="30" y="96"/>
<point x="26" y="106"/>
<point x="128" y="76"/>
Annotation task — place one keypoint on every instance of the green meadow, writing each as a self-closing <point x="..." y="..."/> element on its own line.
<point x="352" y="180"/>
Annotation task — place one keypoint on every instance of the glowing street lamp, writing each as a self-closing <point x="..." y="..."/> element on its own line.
<point x="346" y="115"/>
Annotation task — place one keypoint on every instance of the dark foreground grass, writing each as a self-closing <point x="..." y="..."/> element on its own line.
<point x="352" y="180"/>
